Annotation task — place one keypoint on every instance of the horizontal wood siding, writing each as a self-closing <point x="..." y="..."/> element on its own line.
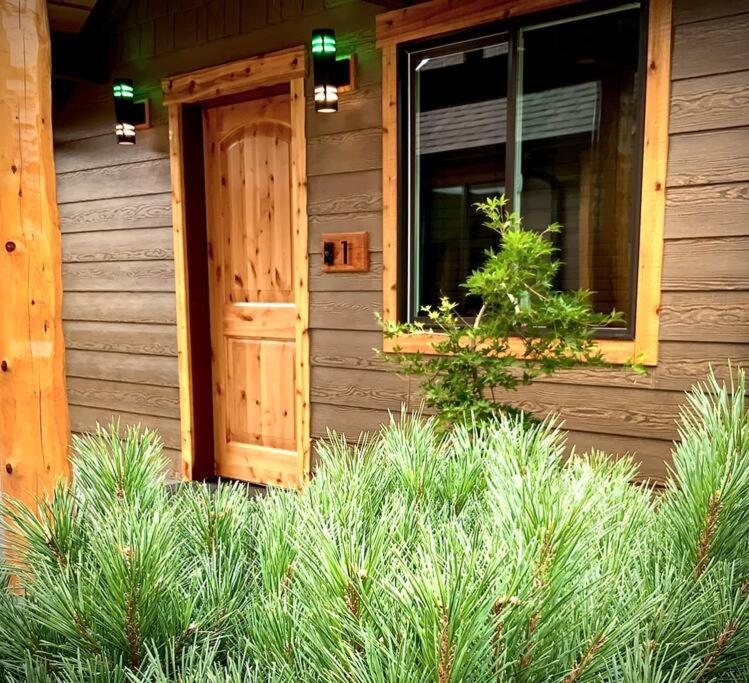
<point x="704" y="308"/>
<point x="115" y="210"/>
<point x="119" y="308"/>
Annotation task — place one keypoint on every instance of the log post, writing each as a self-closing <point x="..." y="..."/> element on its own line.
<point x="34" y="423"/>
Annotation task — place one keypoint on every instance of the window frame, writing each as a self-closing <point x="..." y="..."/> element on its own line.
<point x="440" y="18"/>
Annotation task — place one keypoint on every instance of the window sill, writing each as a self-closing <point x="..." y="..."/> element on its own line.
<point x="614" y="351"/>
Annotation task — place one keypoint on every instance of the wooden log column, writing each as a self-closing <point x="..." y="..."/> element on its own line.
<point x="34" y="424"/>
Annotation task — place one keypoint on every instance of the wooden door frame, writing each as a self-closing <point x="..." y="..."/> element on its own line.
<point x="185" y="96"/>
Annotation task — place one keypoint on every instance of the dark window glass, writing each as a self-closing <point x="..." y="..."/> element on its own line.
<point x="578" y="115"/>
<point x="551" y="115"/>
<point x="459" y="138"/>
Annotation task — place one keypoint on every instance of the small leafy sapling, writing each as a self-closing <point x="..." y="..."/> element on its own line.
<point x="524" y="329"/>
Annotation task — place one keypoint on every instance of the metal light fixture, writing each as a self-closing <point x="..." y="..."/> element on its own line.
<point x="124" y="109"/>
<point x="323" y="58"/>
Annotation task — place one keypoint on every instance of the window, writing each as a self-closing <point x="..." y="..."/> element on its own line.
<point x="549" y="113"/>
<point x="568" y="115"/>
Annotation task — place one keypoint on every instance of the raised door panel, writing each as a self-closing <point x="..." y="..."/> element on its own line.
<point x="260" y="382"/>
<point x="254" y="201"/>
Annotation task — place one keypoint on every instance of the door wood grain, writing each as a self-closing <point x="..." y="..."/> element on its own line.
<point x="251" y="279"/>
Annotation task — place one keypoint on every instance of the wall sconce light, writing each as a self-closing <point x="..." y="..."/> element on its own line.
<point x="129" y="114"/>
<point x="124" y="98"/>
<point x="333" y="74"/>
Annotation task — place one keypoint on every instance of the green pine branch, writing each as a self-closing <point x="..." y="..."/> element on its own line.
<point x="419" y="555"/>
<point x="515" y="286"/>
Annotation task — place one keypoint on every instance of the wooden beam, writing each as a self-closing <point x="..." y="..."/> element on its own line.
<point x="390" y="183"/>
<point x="235" y="77"/>
<point x="191" y="277"/>
<point x="34" y="425"/>
<point x="181" y="284"/>
<point x="67" y="18"/>
<point x="301" y="272"/>
<point x="389" y="4"/>
<point x="431" y="18"/>
<point x="654" y="170"/>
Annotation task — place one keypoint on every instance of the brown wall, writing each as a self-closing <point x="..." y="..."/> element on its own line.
<point x="114" y="202"/>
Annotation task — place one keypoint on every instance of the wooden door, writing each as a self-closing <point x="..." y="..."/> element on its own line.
<point x="255" y="307"/>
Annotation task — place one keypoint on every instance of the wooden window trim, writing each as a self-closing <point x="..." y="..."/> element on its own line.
<point x="204" y="87"/>
<point x="444" y="16"/>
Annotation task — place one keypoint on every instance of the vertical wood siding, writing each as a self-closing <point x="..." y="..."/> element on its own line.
<point x="114" y="204"/>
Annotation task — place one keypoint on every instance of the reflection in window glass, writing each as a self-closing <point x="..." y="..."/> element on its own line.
<point x="578" y="117"/>
<point x="459" y="137"/>
<point x="561" y="136"/>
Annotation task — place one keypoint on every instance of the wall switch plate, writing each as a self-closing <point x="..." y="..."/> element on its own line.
<point x="345" y="252"/>
<point x="328" y="253"/>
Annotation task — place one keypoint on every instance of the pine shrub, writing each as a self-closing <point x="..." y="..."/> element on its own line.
<point x="417" y="556"/>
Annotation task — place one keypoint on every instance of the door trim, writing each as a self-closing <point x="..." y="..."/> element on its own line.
<point x="183" y="93"/>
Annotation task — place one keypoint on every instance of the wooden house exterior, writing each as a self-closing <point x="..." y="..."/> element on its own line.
<point x="125" y="297"/>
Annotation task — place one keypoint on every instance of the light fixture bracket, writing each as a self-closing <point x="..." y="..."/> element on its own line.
<point x="343" y="74"/>
<point x="142" y="113"/>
